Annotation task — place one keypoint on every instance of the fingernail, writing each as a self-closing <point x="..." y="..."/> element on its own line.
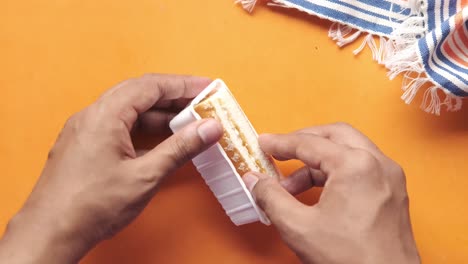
<point x="250" y="180"/>
<point x="264" y="136"/>
<point x="210" y="131"/>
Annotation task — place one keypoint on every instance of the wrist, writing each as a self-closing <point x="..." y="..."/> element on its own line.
<point x="396" y="253"/>
<point x="32" y="237"/>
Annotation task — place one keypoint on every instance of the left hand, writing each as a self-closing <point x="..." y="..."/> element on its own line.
<point x="95" y="182"/>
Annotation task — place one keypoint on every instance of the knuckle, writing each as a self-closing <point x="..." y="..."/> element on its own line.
<point x="134" y="82"/>
<point x="124" y="84"/>
<point x="363" y="160"/>
<point x="303" y="151"/>
<point x="404" y="200"/>
<point x="72" y="124"/>
<point x="51" y="153"/>
<point x="71" y="121"/>
<point x="127" y="117"/>
<point x="397" y="172"/>
<point x="386" y="193"/>
<point x="366" y="160"/>
<point x="149" y="75"/>
<point x="397" y="168"/>
<point x="149" y="81"/>
<point x="127" y="82"/>
<point x="397" y="196"/>
<point x="393" y="170"/>
<point x="155" y="81"/>
<point x="398" y="179"/>
<point x="343" y="125"/>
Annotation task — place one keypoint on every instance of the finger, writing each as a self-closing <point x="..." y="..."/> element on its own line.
<point x="278" y="157"/>
<point x="154" y="122"/>
<point x="280" y="206"/>
<point x="303" y="179"/>
<point x="141" y="152"/>
<point x="163" y="104"/>
<point x="342" y="133"/>
<point x="172" y="105"/>
<point x="114" y="88"/>
<point x="129" y="81"/>
<point x="179" y="148"/>
<point x="316" y="152"/>
<point x="181" y="103"/>
<point x="137" y="96"/>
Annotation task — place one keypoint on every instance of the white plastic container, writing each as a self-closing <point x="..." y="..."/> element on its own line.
<point x="218" y="171"/>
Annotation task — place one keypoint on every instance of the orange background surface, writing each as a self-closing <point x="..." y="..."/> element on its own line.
<point x="56" y="57"/>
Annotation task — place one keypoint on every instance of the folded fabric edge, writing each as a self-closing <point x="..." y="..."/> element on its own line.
<point x="409" y="63"/>
<point x="398" y="52"/>
<point x="402" y="56"/>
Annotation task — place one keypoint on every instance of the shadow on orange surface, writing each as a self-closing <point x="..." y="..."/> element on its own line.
<point x="451" y="122"/>
<point x="199" y="219"/>
<point x="446" y="122"/>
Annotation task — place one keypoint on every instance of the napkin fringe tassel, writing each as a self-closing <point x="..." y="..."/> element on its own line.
<point x="398" y="52"/>
<point x="247" y="4"/>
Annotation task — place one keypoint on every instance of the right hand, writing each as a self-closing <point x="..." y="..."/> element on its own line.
<point x="362" y="215"/>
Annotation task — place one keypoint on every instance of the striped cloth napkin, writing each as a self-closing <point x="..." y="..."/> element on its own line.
<point x="425" y="40"/>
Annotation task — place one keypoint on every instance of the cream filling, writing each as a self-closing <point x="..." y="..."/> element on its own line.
<point x="234" y="138"/>
<point x="241" y="134"/>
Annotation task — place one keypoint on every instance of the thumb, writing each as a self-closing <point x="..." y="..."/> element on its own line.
<point x="175" y="151"/>
<point x="280" y="206"/>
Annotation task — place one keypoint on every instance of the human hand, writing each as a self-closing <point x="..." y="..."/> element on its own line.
<point x="95" y="182"/>
<point x="362" y="215"/>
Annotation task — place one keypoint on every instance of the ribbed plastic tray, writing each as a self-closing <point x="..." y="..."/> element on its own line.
<point x="218" y="171"/>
